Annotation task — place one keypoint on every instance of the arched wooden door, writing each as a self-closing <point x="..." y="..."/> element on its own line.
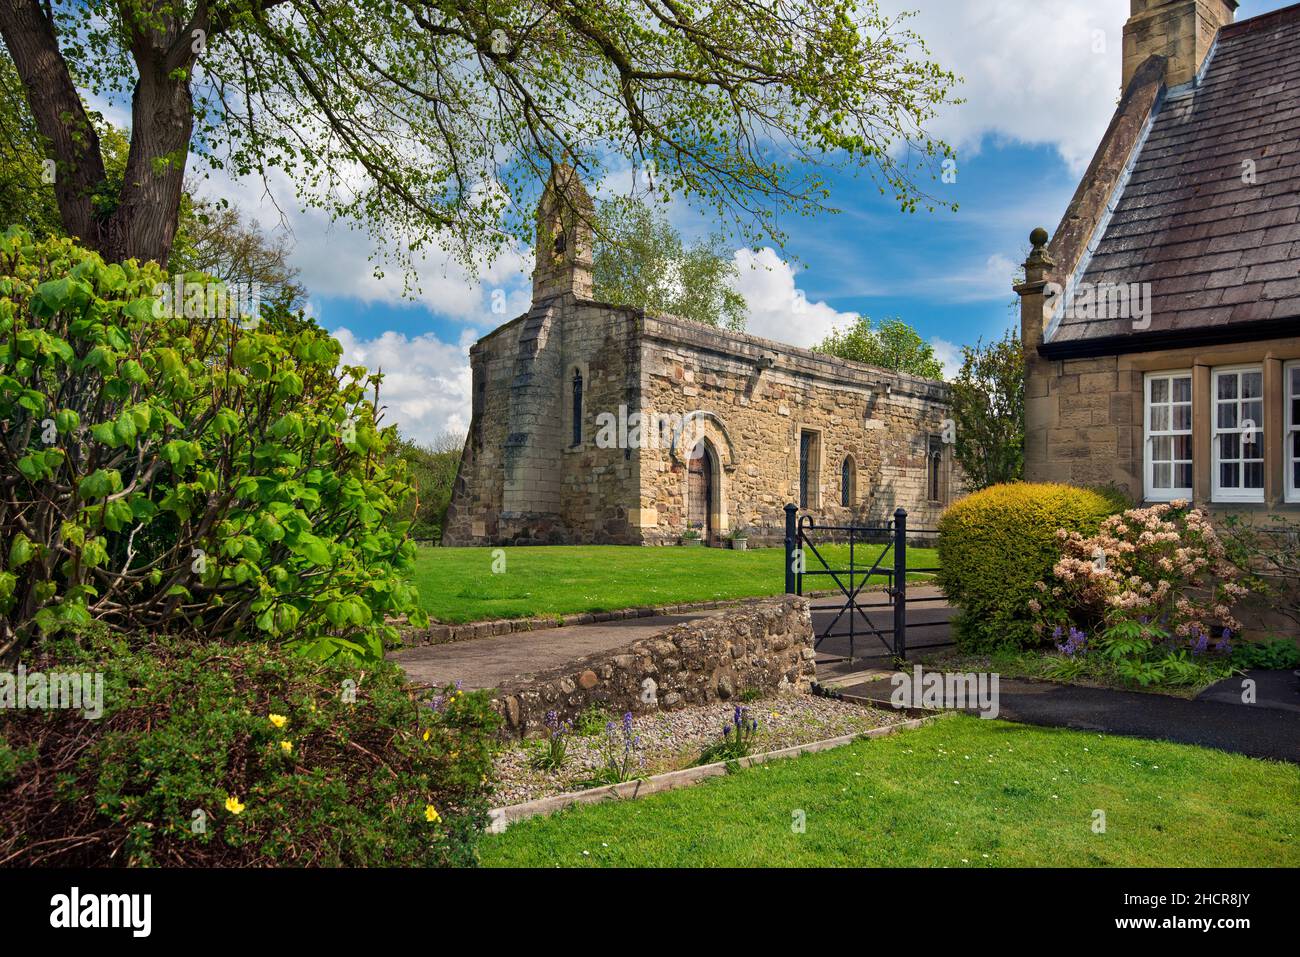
<point x="699" y="491"/>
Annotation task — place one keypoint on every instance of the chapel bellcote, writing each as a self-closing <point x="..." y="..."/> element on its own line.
<point x="564" y="237"/>
<point x="1181" y="31"/>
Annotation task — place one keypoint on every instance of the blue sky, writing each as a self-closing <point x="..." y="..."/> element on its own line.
<point x="1041" y="82"/>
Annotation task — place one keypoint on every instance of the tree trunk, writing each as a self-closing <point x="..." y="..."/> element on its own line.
<point x="162" y="119"/>
<point x="143" y="223"/>
<point x="59" y="114"/>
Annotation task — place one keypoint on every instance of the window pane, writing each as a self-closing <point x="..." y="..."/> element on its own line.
<point x="1230" y="446"/>
<point x="1160" y="418"/>
<point x="1228" y="416"/>
<point x="1252" y="385"/>
<point x="1252" y="445"/>
<point x="1183" y="389"/>
<point x="1160" y="475"/>
<point x="1183" y="418"/>
<point x="1227" y="386"/>
<point x="1295" y="475"/>
<point x="1183" y="448"/>
<point x="1229" y="475"/>
<point x="1295" y="411"/>
<point x="1159" y="390"/>
<point x="1255" y="475"/>
<point x="1253" y="411"/>
<point x="1183" y="475"/>
<point x="1162" y="448"/>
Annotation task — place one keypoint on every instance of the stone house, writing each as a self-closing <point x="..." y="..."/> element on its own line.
<point x="595" y="423"/>
<point x="1160" y="322"/>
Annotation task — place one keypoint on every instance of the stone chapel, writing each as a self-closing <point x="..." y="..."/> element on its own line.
<point x="601" y="424"/>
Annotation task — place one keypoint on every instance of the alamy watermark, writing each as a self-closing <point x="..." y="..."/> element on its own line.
<point x="937" y="689"/>
<point x="241" y="301"/>
<point x="647" y="429"/>
<point x="1103" y="300"/>
<point x="59" y="690"/>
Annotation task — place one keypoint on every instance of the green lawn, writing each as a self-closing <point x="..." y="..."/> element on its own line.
<point x="961" y="792"/>
<point x="457" y="584"/>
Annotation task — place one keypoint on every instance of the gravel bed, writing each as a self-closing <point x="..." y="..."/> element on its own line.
<point x="670" y="740"/>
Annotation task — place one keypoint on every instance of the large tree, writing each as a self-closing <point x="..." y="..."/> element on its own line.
<point x="432" y="120"/>
<point x="641" y="260"/>
<point x="890" y="344"/>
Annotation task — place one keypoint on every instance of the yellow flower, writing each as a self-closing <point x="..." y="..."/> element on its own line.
<point x="233" y="805"/>
<point x="426" y="734"/>
<point x="431" y="814"/>
<point x="278" y="720"/>
<point x="286" y="747"/>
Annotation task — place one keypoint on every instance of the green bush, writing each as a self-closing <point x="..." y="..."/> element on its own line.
<point x="387" y="778"/>
<point x="996" y="543"/>
<point x="171" y="467"/>
<point x="1275" y="654"/>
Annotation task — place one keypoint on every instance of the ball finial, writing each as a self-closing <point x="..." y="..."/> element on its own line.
<point x="1039" y="238"/>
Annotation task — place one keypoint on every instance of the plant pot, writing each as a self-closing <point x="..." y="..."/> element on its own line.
<point x="692" y="541"/>
<point x="739" y="544"/>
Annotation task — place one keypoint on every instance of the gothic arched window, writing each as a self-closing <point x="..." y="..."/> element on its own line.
<point x="577" y="407"/>
<point x="848" y="482"/>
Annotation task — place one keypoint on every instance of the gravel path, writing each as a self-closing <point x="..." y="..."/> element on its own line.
<point x="670" y="740"/>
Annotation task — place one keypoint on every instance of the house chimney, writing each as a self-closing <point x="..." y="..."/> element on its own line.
<point x="1182" y="31"/>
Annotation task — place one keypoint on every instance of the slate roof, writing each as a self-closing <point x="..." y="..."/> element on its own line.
<point x="1217" y="251"/>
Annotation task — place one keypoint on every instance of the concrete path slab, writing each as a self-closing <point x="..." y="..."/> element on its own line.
<point x="1260" y="732"/>
<point x="486" y="662"/>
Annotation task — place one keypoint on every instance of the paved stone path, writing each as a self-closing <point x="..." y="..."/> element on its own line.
<point x="1269" y="728"/>
<point x="486" y="662"/>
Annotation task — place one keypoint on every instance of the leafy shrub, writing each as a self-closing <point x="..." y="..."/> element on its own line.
<point x="290" y="762"/>
<point x="996" y="543"/>
<point x="186" y="475"/>
<point x="1279" y="654"/>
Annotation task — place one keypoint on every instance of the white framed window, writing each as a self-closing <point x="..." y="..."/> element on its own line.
<point x="1237" y="440"/>
<point x="1291" y="454"/>
<point x="1167" y="421"/>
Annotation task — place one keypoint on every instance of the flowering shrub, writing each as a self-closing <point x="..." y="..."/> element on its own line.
<point x="1149" y="594"/>
<point x="996" y="543"/>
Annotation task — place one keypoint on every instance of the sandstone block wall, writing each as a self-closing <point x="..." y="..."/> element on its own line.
<point x="758" y="397"/>
<point x="765" y="646"/>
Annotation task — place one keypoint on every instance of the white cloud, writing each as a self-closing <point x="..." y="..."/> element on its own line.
<point x="1044" y="73"/>
<point x="426" y="387"/>
<point x="778" y="309"/>
<point x="948" y="354"/>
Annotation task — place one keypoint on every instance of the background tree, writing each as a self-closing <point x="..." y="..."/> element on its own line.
<point x="892" y="344"/>
<point x="431" y="470"/>
<point x="641" y="260"/>
<point x="437" y="121"/>
<point x="988" y="407"/>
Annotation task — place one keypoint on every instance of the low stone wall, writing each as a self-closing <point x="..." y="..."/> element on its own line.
<point x="765" y="646"/>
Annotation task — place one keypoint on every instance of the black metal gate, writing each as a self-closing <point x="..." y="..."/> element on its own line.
<point x="802" y="538"/>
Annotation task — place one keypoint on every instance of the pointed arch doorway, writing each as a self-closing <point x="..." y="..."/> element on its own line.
<point x="701" y="490"/>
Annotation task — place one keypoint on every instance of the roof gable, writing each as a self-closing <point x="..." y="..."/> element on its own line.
<point x="1217" y="249"/>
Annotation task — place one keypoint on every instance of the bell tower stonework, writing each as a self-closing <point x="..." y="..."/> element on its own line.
<point x="564" y="246"/>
